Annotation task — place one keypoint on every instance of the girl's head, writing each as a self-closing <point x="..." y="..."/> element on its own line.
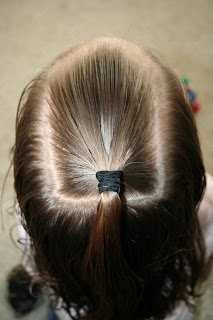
<point x="111" y="105"/>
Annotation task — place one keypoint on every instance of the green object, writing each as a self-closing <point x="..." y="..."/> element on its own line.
<point x="185" y="79"/>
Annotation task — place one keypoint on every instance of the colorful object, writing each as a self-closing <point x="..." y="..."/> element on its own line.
<point x="191" y="94"/>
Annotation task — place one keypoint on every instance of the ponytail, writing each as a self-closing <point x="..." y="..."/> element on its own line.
<point x="115" y="288"/>
<point x="104" y="250"/>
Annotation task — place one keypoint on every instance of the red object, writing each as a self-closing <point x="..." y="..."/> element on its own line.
<point x="195" y="106"/>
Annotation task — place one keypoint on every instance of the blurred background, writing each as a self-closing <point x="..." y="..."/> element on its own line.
<point x="34" y="32"/>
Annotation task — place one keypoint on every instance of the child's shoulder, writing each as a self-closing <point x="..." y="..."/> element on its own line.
<point x="205" y="215"/>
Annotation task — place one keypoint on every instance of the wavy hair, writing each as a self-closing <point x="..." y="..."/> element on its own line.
<point x="109" y="104"/>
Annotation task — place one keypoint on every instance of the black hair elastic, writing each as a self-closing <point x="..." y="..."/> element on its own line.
<point x="109" y="181"/>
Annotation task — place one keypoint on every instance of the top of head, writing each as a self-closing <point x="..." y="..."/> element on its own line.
<point x="106" y="104"/>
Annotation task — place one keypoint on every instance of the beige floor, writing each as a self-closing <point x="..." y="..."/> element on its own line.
<point x="33" y="32"/>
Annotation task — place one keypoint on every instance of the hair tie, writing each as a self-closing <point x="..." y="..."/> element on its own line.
<point x="109" y="181"/>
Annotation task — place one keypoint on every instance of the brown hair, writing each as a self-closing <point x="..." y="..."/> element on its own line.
<point x="111" y="105"/>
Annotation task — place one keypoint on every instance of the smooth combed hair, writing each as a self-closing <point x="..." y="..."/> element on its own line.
<point x="108" y="104"/>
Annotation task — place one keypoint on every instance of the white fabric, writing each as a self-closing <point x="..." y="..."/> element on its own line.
<point x="181" y="312"/>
